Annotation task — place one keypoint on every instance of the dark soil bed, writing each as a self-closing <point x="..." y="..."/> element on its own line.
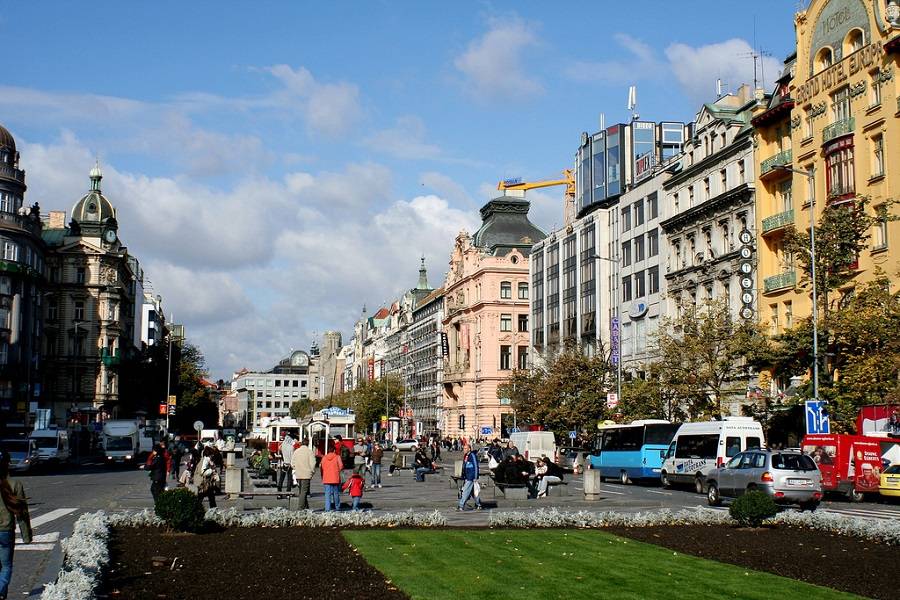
<point x="240" y="564"/>
<point x="843" y="563"/>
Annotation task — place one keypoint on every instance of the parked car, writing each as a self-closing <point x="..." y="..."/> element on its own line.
<point x="52" y="444"/>
<point x="23" y="454"/>
<point x="890" y="482"/>
<point x="788" y="477"/>
<point x="401" y="445"/>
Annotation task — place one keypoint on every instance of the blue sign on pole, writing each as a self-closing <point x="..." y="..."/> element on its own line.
<point x="817" y="420"/>
<point x="487" y="430"/>
<point x="514" y="430"/>
<point x="573" y="435"/>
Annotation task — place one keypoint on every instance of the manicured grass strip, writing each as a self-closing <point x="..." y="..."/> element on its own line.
<point x="453" y="564"/>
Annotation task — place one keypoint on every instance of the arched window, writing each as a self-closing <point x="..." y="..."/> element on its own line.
<point x="824" y="59"/>
<point x="854" y="41"/>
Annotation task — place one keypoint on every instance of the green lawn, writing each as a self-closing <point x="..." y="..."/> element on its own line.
<point x="570" y="564"/>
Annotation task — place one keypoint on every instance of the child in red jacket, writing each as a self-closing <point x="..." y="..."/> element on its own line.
<point x="355" y="485"/>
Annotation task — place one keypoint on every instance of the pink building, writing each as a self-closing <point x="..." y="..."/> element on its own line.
<point x="486" y="318"/>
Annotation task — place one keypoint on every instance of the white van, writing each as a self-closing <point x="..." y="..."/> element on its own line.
<point x="699" y="447"/>
<point x="534" y="444"/>
<point x="52" y="444"/>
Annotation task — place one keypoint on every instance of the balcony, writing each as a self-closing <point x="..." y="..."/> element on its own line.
<point x="11" y="173"/>
<point x="110" y="360"/>
<point x="777" y="221"/>
<point x="781" y="159"/>
<point x="835" y="130"/>
<point x="783" y="281"/>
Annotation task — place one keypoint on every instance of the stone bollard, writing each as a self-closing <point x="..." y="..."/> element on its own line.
<point x="592" y="484"/>
<point x="229" y="459"/>
<point x="234" y="481"/>
<point x="457" y="468"/>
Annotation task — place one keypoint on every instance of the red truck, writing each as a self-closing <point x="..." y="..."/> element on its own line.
<point x="850" y="464"/>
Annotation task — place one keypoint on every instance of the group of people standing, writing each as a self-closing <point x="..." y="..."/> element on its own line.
<point x="201" y="472"/>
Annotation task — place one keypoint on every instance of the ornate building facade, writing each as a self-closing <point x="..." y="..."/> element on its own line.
<point x="485" y="318"/>
<point x="89" y="310"/>
<point x="21" y="280"/>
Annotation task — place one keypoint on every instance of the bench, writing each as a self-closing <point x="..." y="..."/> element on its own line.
<point x="511" y="491"/>
<point x="277" y="495"/>
<point x="558" y="489"/>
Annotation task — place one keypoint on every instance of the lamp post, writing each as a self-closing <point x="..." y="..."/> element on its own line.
<point x="169" y="377"/>
<point x="618" y="313"/>
<point x="811" y="179"/>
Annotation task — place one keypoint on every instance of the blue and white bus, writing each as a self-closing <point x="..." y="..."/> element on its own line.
<point x="634" y="451"/>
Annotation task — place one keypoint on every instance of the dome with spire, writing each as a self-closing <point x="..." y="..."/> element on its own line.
<point x="93" y="206"/>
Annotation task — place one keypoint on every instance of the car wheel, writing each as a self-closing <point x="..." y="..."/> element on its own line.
<point x="712" y="495"/>
<point x="854" y="495"/>
<point x="664" y="480"/>
<point x="811" y="506"/>
<point x="623" y="478"/>
<point x="698" y="484"/>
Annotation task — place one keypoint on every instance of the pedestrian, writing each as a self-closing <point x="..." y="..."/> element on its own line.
<point x="359" y="456"/>
<point x="331" y="477"/>
<point x="177" y="453"/>
<point x="158" y="464"/>
<point x="205" y="477"/>
<point x="286" y="450"/>
<point x="470" y="474"/>
<point x="14" y="508"/>
<point x="377" y="457"/>
<point x="397" y="463"/>
<point x="423" y="464"/>
<point x="355" y="486"/>
<point x="303" y="463"/>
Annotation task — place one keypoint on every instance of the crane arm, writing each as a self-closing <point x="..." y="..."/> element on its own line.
<point x="516" y="184"/>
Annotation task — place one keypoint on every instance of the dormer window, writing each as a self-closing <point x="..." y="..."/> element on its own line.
<point x="854" y="41"/>
<point x="824" y="59"/>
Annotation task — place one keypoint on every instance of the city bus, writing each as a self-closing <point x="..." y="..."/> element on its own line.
<point x="632" y="452"/>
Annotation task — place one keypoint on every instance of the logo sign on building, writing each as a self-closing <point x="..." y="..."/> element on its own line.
<point x="162" y="408"/>
<point x="612" y="400"/>
<point x="173" y="400"/>
<point x="445" y="344"/>
<point x="371" y="369"/>
<point x="487" y="430"/>
<point x="817" y="420"/>
<point x="614" y="340"/>
<point x="746" y="269"/>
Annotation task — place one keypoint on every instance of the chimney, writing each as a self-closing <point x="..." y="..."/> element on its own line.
<point x="743" y="93"/>
<point x="57" y="219"/>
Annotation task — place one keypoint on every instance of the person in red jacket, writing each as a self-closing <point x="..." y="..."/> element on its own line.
<point x="355" y="486"/>
<point x="331" y="477"/>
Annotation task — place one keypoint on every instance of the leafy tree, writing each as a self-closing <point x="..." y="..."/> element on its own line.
<point x="703" y="357"/>
<point x="368" y="400"/>
<point x="649" y="398"/>
<point x="195" y="402"/>
<point x="843" y="232"/>
<point x="569" y="393"/>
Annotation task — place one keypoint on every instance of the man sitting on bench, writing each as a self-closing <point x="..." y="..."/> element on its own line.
<point x="548" y="472"/>
<point x="424" y="466"/>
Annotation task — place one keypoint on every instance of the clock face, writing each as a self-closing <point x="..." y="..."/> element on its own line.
<point x="299" y="359"/>
<point x="746" y="283"/>
<point x="110" y="236"/>
<point x="746" y="268"/>
<point x="746" y="252"/>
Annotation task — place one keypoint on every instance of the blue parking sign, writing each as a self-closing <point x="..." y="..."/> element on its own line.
<point x="817" y="420"/>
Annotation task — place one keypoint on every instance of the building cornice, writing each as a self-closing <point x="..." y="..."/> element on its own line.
<point x="735" y="147"/>
<point x="743" y="194"/>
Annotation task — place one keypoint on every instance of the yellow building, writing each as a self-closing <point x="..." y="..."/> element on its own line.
<point x="834" y="115"/>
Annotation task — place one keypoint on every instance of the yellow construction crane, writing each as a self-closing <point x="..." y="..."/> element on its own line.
<point x="568" y="180"/>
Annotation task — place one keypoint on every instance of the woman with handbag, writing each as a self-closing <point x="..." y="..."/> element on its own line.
<point x="13" y="508"/>
<point x="204" y="477"/>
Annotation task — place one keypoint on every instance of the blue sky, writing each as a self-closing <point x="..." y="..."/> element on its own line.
<point x="277" y="165"/>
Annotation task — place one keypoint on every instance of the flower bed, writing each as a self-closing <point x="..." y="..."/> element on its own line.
<point x="86" y="552"/>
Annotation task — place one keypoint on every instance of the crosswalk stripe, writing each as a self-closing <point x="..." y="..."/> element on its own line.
<point x="34" y="547"/>
<point x="859" y="513"/>
<point x="44" y="538"/>
<point x="51" y="516"/>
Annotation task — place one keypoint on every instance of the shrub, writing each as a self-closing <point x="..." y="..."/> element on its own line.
<point x="751" y="509"/>
<point x="180" y="509"/>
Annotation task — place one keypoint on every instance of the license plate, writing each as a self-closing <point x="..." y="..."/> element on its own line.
<point x="799" y="482"/>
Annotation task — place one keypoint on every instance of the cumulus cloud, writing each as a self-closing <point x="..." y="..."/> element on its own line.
<point x="697" y="68"/>
<point x="493" y="64"/>
<point x="640" y="63"/>
<point x="328" y="108"/>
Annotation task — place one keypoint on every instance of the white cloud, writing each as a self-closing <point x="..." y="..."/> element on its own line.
<point x="406" y="140"/>
<point x="446" y="187"/>
<point x="697" y="68"/>
<point x="492" y="64"/>
<point x="641" y="63"/>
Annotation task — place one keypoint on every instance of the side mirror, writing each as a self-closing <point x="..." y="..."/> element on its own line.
<point x="663" y="454"/>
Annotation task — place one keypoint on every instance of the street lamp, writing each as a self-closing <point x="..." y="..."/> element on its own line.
<point x="811" y="178"/>
<point x="618" y="313"/>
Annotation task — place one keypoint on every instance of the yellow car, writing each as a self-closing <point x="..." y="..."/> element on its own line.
<point x="890" y="481"/>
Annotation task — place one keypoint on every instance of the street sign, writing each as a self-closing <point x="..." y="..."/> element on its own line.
<point x="171" y="410"/>
<point x="162" y="409"/>
<point x="198" y="426"/>
<point x="173" y="400"/>
<point x="487" y="430"/>
<point x="612" y="400"/>
<point x="504" y="401"/>
<point x="573" y="435"/>
<point x="817" y="420"/>
<point x="514" y="430"/>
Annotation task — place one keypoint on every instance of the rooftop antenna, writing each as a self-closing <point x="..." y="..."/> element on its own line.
<point x="718" y="88"/>
<point x="602" y="121"/>
<point x="632" y="102"/>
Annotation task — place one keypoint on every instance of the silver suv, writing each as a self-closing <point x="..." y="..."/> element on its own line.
<point x="787" y="476"/>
